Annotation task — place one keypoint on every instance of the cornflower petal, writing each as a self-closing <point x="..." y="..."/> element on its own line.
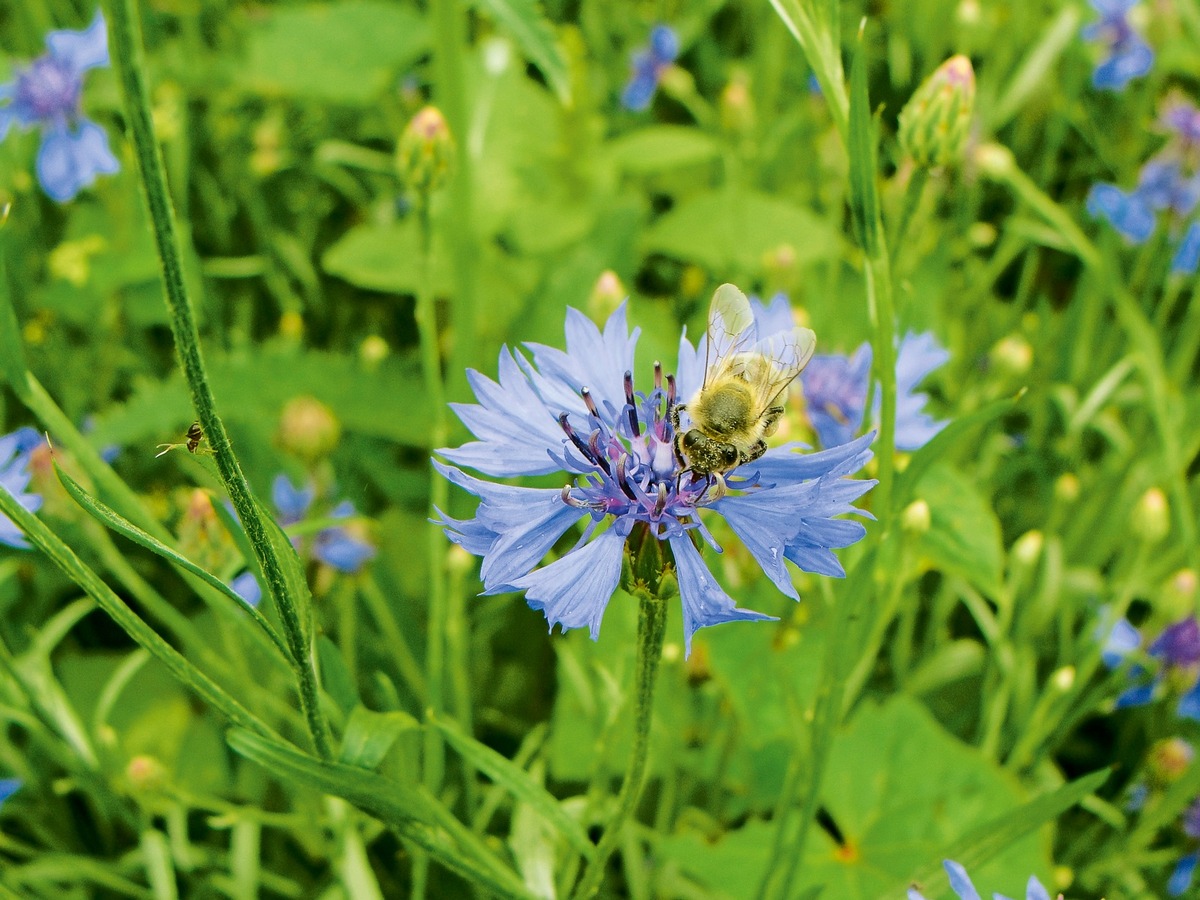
<point x="1126" y="212"/>
<point x="292" y="502"/>
<point x="343" y="551"/>
<point x="1179" y="643"/>
<point x="22" y="440"/>
<point x="1121" y="641"/>
<point x="664" y="43"/>
<point x="1187" y="254"/>
<point x="247" y="587"/>
<point x="704" y="602"/>
<point x="772" y="318"/>
<point x="1181" y="876"/>
<point x="81" y="50"/>
<point x="835" y="393"/>
<point x="1189" y="703"/>
<point x="513" y="528"/>
<point x="593" y="360"/>
<point x="1130" y="58"/>
<point x="1139" y="695"/>
<point x="69" y="160"/>
<point x="914" y="894"/>
<point x="960" y="882"/>
<point x="781" y="465"/>
<point x="919" y="355"/>
<point x="8" y="787"/>
<point x="639" y="91"/>
<point x="574" y="590"/>
<point x="14" y="478"/>
<point x="1035" y="890"/>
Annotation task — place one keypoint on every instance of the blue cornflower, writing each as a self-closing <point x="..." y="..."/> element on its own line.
<point x="961" y="884"/>
<point x="648" y="67"/>
<point x="836" y="387"/>
<point x="46" y="93"/>
<point x="336" y="546"/>
<point x="1178" y="651"/>
<point x="576" y="413"/>
<point x="15" y="450"/>
<point x="1129" y="56"/>
<point x="1169" y="182"/>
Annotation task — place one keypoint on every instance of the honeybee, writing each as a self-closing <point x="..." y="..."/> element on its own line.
<point x="741" y="399"/>
<point x="192" y="439"/>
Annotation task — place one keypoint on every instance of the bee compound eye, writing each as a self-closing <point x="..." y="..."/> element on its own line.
<point x="729" y="452"/>
<point x="692" y="440"/>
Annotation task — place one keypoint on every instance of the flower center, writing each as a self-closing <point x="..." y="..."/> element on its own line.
<point x="49" y="89"/>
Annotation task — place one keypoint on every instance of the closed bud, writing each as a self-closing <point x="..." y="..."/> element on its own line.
<point x="1063" y="679"/>
<point x="1012" y="356"/>
<point x="607" y="294"/>
<point x="1152" y="516"/>
<point x="145" y="773"/>
<point x="1028" y="548"/>
<point x="373" y="350"/>
<point x="308" y="429"/>
<point x="936" y="121"/>
<point x="425" y="151"/>
<point x="737" y="105"/>
<point x="1169" y="759"/>
<point x="291" y="325"/>
<point x="1066" y="487"/>
<point x="916" y="518"/>
<point x="994" y="160"/>
<point x="1177" y="598"/>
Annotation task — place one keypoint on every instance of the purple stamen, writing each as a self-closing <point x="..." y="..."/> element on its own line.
<point x="657" y="375"/>
<point x="579" y="444"/>
<point x="633" y="419"/>
<point x="670" y="392"/>
<point x="589" y="402"/>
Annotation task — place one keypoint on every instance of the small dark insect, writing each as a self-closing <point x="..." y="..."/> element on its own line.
<point x="195" y="434"/>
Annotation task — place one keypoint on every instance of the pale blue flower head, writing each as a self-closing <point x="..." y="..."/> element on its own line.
<point x="1129" y="56"/>
<point x="577" y="413"/>
<point x="1180" y="881"/>
<point x="648" y="66"/>
<point x="1177" y="649"/>
<point x="15" y="450"/>
<point x="46" y="94"/>
<point x="247" y="587"/>
<point x="961" y="884"/>
<point x="836" y="388"/>
<point x="8" y="787"/>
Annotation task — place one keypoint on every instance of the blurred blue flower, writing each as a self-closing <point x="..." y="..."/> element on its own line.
<point x="961" y="884"/>
<point x="1129" y="56"/>
<point x="15" y="449"/>
<point x="247" y="587"/>
<point x="1181" y="876"/>
<point x="576" y="413"/>
<point x="648" y="67"/>
<point x="836" y="388"/>
<point x="46" y="93"/>
<point x="1178" y="651"/>
<point x="8" y="787"/>
<point x="1168" y="182"/>
<point x="337" y="546"/>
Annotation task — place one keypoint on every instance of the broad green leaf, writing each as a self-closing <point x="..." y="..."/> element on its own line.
<point x="990" y="838"/>
<point x="728" y="231"/>
<point x="534" y="34"/>
<point x="370" y="735"/>
<point x="659" y="148"/>
<point x="518" y="782"/>
<point x="727" y="867"/>
<point x="346" y="52"/>
<point x="964" y="533"/>
<point x="418" y="816"/>
<point x="124" y="527"/>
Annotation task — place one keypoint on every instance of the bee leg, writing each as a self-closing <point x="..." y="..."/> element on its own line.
<point x="770" y="421"/>
<point x="716" y="482"/>
<point x="757" y="449"/>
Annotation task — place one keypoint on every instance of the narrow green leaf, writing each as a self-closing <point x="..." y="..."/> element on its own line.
<point x="74" y="568"/>
<point x="124" y="527"/>
<point x="370" y="735"/>
<point x="1037" y="69"/>
<point x="535" y="36"/>
<point x="982" y="843"/>
<point x="336" y="677"/>
<point x="864" y="197"/>
<point x="518" y="782"/>
<point x="415" y="814"/>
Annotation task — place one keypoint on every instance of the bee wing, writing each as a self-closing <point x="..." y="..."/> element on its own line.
<point x="774" y="363"/>
<point x="729" y="330"/>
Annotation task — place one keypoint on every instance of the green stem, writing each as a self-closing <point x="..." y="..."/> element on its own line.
<point x="125" y="34"/>
<point x="912" y="199"/>
<point x="651" y="628"/>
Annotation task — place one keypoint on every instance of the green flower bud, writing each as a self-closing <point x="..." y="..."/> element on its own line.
<point x="308" y="428"/>
<point x="916" y="518"/>
<point x="936" y="121"/>
<point x="737" y="105"/>
<point x="425" y="152"/>
<point x="1169" y="759"/>
<point x="607" y="294"/>
<point x="1152" y="516"/>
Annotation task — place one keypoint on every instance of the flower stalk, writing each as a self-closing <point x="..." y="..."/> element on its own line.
<point x="652" y="619"/>
<point x="130" y="65"/>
